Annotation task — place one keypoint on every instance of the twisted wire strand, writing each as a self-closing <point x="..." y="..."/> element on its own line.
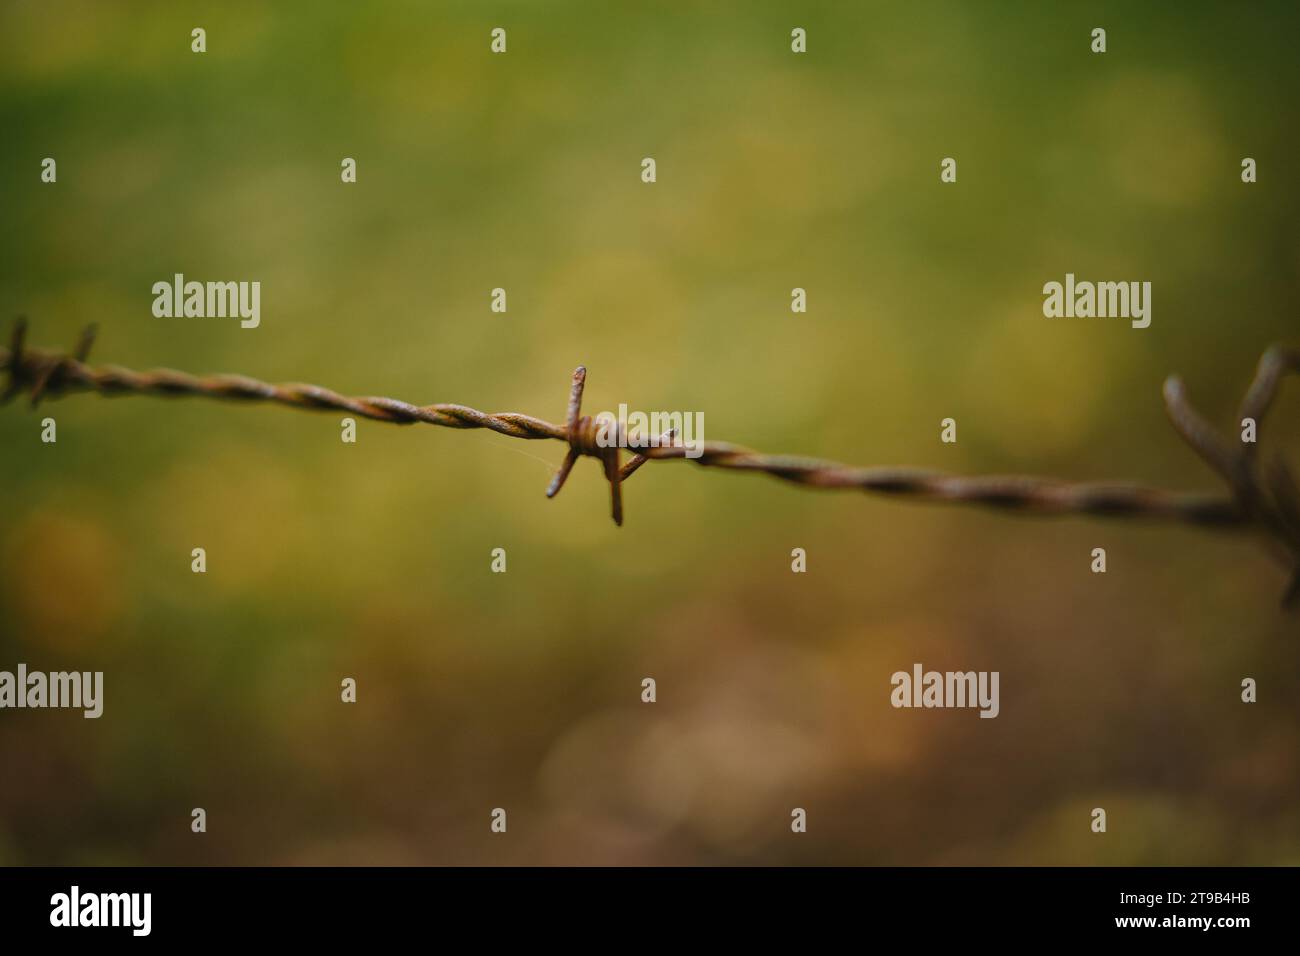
<point x="1260" y="499"/>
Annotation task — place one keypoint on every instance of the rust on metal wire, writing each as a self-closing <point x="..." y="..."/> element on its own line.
<point x="1261" y="498"/>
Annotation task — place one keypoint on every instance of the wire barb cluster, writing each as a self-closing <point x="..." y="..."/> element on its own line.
<point x="1262" y="498"/>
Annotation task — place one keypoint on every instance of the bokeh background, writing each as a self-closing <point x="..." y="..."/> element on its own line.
<point x="479" y="690"/>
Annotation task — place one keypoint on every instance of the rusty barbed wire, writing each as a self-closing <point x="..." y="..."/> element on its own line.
<point x="1262" y="499"/>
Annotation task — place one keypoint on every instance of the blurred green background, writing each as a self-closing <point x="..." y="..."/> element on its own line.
<point x="479" y="690"/>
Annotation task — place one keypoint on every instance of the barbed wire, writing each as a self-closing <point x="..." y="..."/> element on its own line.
<point x="1262" y="497"/>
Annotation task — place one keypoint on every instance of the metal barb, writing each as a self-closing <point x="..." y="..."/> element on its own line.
<point x="1262" y="499"/>
<point x="598" y="440"/>
<point x="40" y="372"/>
<point x="1266" y="497"/>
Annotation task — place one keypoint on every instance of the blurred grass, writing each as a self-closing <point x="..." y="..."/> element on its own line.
<point x="775" y="171"/>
